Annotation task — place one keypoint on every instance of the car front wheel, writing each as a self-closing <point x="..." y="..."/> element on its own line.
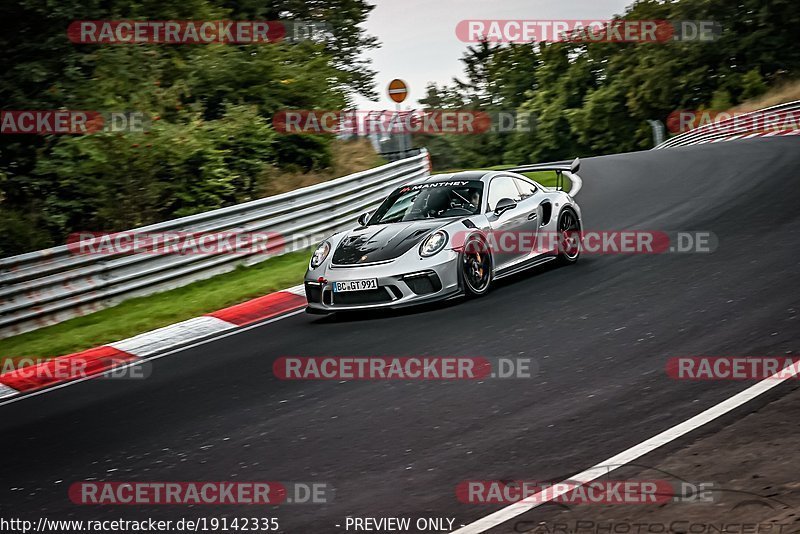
<point x="476" y="267"/>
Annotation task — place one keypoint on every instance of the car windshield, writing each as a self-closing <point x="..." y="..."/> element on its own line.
<point x="430" y="200"/>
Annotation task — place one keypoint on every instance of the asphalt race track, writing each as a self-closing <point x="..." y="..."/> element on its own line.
<point x="600" y="332"/>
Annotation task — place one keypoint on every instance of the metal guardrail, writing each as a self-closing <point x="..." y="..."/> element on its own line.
<point x="735" y="127"/>
<point x="49" y="286"/>
<point x="402" y="154"/>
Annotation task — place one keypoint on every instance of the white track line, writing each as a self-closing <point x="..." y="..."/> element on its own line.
<point x="7" y="391"/>
<point x="627" y="456"/>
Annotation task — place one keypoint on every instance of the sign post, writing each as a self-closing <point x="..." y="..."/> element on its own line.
<point x="398" y="91"/>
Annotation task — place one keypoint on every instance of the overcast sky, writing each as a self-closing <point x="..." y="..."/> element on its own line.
<point x="419" y="44"/>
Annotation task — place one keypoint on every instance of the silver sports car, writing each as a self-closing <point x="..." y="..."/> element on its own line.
<point x="445" y="236"/>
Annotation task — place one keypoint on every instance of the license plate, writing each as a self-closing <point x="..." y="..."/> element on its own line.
<point x="355" y="285"/>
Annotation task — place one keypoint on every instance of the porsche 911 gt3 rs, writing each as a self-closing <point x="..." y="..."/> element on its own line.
<point x="445" y="236"/>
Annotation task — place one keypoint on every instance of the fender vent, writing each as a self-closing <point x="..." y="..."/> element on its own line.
<point x="547" y="212"/>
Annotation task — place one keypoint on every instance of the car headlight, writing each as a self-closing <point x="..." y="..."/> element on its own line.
<point x="320" y="254"/>
<point x="433" y="243"/>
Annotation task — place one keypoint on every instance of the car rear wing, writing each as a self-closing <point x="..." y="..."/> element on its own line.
<point x="560" y="166"/>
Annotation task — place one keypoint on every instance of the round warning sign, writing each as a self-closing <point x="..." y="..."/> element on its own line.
<point x="398" y="90"/>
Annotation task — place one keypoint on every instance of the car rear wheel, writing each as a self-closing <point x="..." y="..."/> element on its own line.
<point x="569" y="235"/>
<point x="476" y="267"/>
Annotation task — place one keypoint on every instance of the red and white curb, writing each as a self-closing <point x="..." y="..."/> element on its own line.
<point x="735" y="137"/>
<point x="98" y="360"/>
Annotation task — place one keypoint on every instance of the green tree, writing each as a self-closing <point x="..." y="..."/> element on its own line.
<point x="209" y="140"/>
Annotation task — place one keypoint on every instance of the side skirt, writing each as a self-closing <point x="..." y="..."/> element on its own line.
<point x="527" y="264"/>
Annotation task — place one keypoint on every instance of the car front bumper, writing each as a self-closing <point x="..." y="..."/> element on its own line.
<point x="401" y="282"/>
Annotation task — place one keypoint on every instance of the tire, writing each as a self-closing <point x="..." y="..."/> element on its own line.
<point x="569" y="244"/>
<point x="476" y="265"/>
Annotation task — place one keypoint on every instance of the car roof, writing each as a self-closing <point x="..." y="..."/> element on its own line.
<point x="463" y="175"/>
<point x="480" y="175"/>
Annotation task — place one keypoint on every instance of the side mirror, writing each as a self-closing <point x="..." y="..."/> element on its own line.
<point x="363" y="218"/>
<point x="503" y="205"/>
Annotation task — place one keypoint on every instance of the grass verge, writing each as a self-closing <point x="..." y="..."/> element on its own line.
<point x="141" y="314"/>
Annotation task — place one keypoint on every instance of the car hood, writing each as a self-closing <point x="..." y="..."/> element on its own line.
<point x="381" y="242"/>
